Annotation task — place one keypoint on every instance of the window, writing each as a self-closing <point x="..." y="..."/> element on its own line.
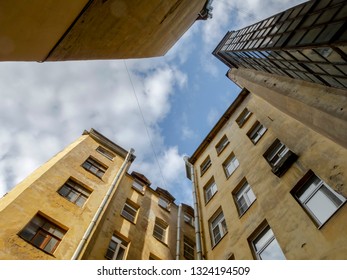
<point x="130" y="211"/>
<point x="43" y="234"/>
<point x="163" y="202"/>
<point x="218" y="227"/>
<point x="105" y="153"/>
<point x="160" y="230"/>
<point x="230" y="165"/>
<point x="74" y="192"/>
<point x="205" y="165"/>
<point x="256" y="132"/>
<point x="244" y="198"/>
<point x="222" y="144"/>
<point x="317" y="198"/>
<point x="210" y="189"/>
<point x="243" y="117"/>
<point x="266" y="247"/>
<point x="279" y="157"/>
<point x="138" y="186"/>
<point x="94" y="167"/>
<point x="188" y="248"/>
<point x="189" y="219"/>
<point x="116" y="249"/>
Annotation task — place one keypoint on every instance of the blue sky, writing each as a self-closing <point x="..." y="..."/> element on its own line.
<point x="46" y="106"/>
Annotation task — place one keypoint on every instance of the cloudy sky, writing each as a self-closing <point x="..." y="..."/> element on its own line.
<point x="163" y="109"/>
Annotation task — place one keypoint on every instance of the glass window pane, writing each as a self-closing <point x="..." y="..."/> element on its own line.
<point x="272" y="252"/>
<point x="50" y="245"/>
<point x="262" y="239"/>
<point x="321" y="206"/>
<point x="120" y="254"/>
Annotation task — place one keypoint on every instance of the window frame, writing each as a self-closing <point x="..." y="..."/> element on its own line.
<point x="217" y="222"/>
<point x="164" y="203"/>
<point x="241" y="193"/>
<point x="211" y="185"/>
<point x="136" y="185"/>
<point x="131" y="217"/>
<point x="163" y="226"/>
<point x="222" y="144"/>
<point x="243" y="117"/>
<point x="205" y="165"/>
<point x="40" y="226"/>
<point x="258" y="130"/>
<point x="77" y="188"/>
<point x="94" y="164"/>
<point x="120" y="244"/>
<point x="188" y="248"/>
<point x="230" y="161"/>
<point x="305" y="184"/>
<point x="106" y="153"/>
<point x="261" y="234"/>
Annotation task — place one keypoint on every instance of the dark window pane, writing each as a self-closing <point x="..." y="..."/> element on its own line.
<point x="328" y="32"/>
<point x="310" y="36"/>
<point x="326" y="16"/>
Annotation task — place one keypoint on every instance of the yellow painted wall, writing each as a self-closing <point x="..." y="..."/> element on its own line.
<point x="39" y="193"/>
<point x="296" y="233"/>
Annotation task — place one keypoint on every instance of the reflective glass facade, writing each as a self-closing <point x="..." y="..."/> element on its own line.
<point x="307" y="42"/>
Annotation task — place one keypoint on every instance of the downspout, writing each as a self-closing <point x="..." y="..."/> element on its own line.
<point x="190" y="169"/>
<point x="178" y="243"/>
<point x="102" y="206"/>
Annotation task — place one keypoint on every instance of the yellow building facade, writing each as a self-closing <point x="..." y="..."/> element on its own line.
<point x="47" y="30"/>
<point x="83" y="204"/>
<point x="271" y="184"/>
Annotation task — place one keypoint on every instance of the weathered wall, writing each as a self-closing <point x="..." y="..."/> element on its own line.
<point x="39" y="193"/>
<point x="296" y="233"/>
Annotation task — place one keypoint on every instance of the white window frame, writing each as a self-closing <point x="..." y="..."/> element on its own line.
<point x="160" y="230"/>
<point x="218" y="228"/>
<point x="119" y="246"/>
<point x="138" y="186"/>
<point x="129" y="211"/>
<point x="243" y="194"/>
<point x="256" y="132"/>
<point x="267" y="241"/>
<point x="230" y="165"/>
<point x="163" y="202"/>
<point x="210" y="189"/>
<point x="277" y="153"/>
<point x="309" y="190"/>
<point x="222" y="144"/>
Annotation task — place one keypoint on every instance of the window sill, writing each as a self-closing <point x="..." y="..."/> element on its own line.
<point x="162" y="242"/>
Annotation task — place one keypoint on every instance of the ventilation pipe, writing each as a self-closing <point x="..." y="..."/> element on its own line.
<point x="191" y="176"/>
<point x="179" y="217"/>
<point x="104" y="202"/>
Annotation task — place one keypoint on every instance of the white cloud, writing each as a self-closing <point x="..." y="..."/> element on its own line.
<point x="46" y="106"/>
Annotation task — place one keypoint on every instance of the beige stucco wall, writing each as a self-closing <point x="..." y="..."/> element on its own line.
<point x="297" y="235"/>
<point x="38" y="192"/>
<point x="139" y="234"/>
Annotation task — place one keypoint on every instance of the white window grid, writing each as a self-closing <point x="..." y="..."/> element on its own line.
<point x="244" y="198"/>
<point x="231" y="165"/>
<point x="210" y="190"/>
<point x="218" y="228"/>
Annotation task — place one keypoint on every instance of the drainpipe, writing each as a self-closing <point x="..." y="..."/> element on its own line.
<point x="178" y="232"/>
<point x="102" y="205"/>
<point x="191" y="176"/>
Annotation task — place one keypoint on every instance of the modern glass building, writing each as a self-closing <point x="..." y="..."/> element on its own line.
<point x="307" y="42"/>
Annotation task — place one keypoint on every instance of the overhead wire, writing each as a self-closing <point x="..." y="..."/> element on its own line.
<point x="145" y="125"/>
